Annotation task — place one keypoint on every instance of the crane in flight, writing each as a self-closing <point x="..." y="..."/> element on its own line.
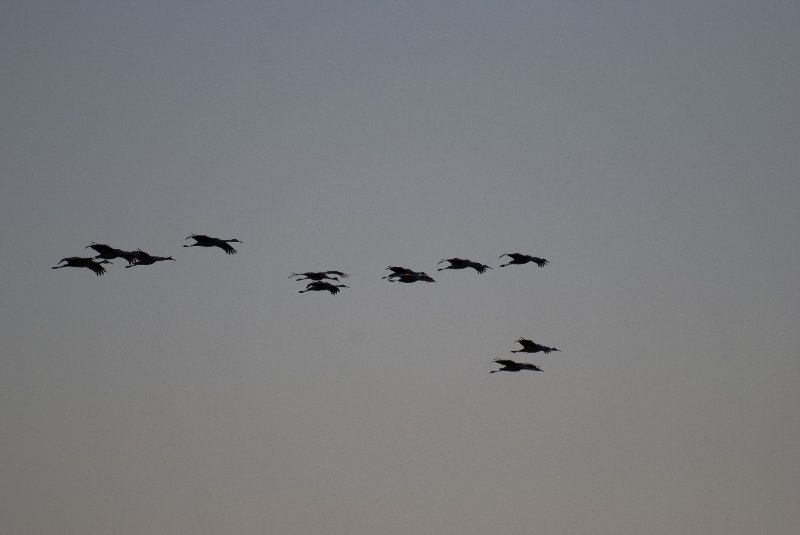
<point x="519" y="258"/>
<point x="319" y="275"/>
<point x="460" y="263"/>
<point x="529" y="346"/>
<point x="84" y="262"/>
<point x="410" y="277"/>
<point x="201" y="240"/>
<point x="145" y="259"/>
<point x="513" y="366"/>
<point x="323" y="286"/>
<point x="402" y="274"/>
<point x="107" y="252"/>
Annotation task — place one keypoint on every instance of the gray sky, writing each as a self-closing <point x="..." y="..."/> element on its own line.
<point x="649" y="150"/>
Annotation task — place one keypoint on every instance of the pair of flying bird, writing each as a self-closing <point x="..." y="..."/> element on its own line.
<point x="318" y="282"/>
<point x="528" y="346"/>
<point x="516" y="259"/>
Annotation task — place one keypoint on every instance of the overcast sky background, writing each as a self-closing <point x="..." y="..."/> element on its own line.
<point x="649" y="150"/>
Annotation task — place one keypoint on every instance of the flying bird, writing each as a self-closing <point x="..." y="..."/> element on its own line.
<point x="402" y="274"/>
<point x="410" y="277"/>
<point x="145" y="259"/>
<point x="201" y="240"/>
<point x="529" y="346"/>
<point x="319" y="275"/>
<point x="397" y="271"/>
<point x="319" y="286"/>
<point x="77" y="261"/>
<point x="513" y="366"/>
<point x="110" y="253"/>
<point x="519" y="258"/>
<point x="460" y="263"/>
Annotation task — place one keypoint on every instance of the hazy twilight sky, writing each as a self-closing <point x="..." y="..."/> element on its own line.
<point x="649" y="150"/>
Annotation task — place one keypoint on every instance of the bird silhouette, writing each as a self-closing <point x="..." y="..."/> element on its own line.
<point x="145" y="259"/>
<point x="513" y="366"/>
<point x="110" y="253"/>
<point x="320" y="286"/>
<point x="410" y="277"/>
<point x="402" y="274"/>
<point x="529" y="346"/>
<point x="77" y="261"/>
<point x="398" y="270"/>
<point x="319" y="275"/>
<point x="201" y="240"/>
<point x="460" y="263"/>
<point x="519" y="258"/>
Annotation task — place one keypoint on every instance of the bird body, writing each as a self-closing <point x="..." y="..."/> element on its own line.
<point x="410" y="277"/>
<point x="519" y="258"/>
<point x="398" y="270"/>
<point x="319" y="275"/>
<point x="110" y="253"/>
<point x="402" y="274"/>
<point x="89" y="263"/>
<point x="201" y="240"/>
<point x="513" y="366"/>
<point x="461" y="263"/>
<point x="529" y="346"/>
<point x="319" y="286"/>
<point x="146" y="259"/>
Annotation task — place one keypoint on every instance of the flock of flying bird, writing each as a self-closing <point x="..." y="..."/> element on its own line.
<point x="319" y="280"/>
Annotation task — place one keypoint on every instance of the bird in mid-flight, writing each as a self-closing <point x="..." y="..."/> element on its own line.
<point x="319" y="275"/>
<point x="402" y="274"/>
<point x="107" y="252"/>
<point x="201" y="240"/>
<point x="460" y="263"/>
<point x="320" y="286"/>
<point x="513" y="366"/>
<point x="145" y="259"/>
<point x="410" y="277"/>
<point x="89" y="263"/>
<point x="529" y="346"/>
<point x="519" y="258"/>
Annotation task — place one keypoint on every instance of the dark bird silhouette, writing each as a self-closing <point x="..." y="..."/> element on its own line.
<point x="460" y="263"/>
<point x="513" y="366"/>
<point x="402" y="274"/>
<point x="519" y="258"/>
<point x="201" y="240"/>
<point x="145" y="259"/>
<point x="410" y="277"/>
<point x="77" y="261"/>
<point x="319" y="286"/>
<point x="319" y="275"/>
<point x="398" y="270"/>
<point x="529" y="346"/>
<point x="110" y="253"/>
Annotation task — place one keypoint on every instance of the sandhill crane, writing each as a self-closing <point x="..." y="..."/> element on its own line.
<point x="77" y="261"/>
<point x="398" y="270"/>
<point x="410" y="277"/>
<point x="319" y="275"/>
<point x="513" y="366"/>
<point x="519" y="258"/>
<point x="145" y="259"/>
<point x="402" y="274"/>
<point x="529" y="346"/>
<point x="201" y="240"/>
<point x="110" y="253"/>
<point x="319" y="286"/>
<point x="460" y="263"/>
